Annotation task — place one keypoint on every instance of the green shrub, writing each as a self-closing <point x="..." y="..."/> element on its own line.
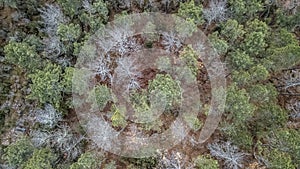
<point x="206" y="162"/>
<point x="168" y="88"/>
<point x="191" y="11"/>
<point x="18" y="153"/>
<point x="41" y="159"/>
<point x="22" y="55"/>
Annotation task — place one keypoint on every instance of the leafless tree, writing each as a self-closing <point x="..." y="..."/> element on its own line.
<point x="48" y="116"/>
<point x="52" y="16"/>
<point x="173" y="160"/>
<point x="170" y="42"/>
<point x="216" y="11"/>
<point x="292" y="78"/>
<point x="128" y="72"/>
<point x="229" y="153"/>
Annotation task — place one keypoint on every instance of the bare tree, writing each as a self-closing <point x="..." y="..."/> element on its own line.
<point x="52" y="16"/>
<point x="173" y="160"/>
<point x="48" y="116"/>
<point x="229" y="153"/>
<point x="170" y="42"/>
<point x="216" y="11"/>
<point x="128" y="72"/>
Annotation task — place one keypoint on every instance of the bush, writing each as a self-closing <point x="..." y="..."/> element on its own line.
<point x="86" y="161"/>
<point x="41" y="159"/>
<point x="18" y="153"/>
<point x="206" y="162"/>
<point x="22" y="55"/>
<point x="168" y="88"/>
<point x="46" y="87"/>
<point x="192" y="11"/>
<point x="99" y="96"/>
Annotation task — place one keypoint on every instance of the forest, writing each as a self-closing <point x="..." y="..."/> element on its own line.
<point x="150" y="84"/>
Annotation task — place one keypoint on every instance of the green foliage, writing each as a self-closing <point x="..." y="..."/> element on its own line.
<point x="279" y="160"/>
<point x="146" y="162"/>
<point x="70" y="7"/>
<point x="283" y="58"/>
<point x="111" y="165"/>
<point x="193" y="122"/>
<point x="185" y="28"/>
<point x="168" y="88"/>
<point x="239" y="60"/>
<point x="287" y="21"/>
<point x="218" y="43"/>
<point x="22" y="55"/>
<point x="241" y="78"/>
<point x="191" y="11"/>
<point x="255" y="39"/>
<point x="232" y="31"/>
<point x="288" y="141"/>
<point x="100" y="96"/>
<point x="244" y="9"/>
<point x="67" y="79"/>
<point x="254" y="43"/>
<point x="95" y="15"/>
<point x="118" y="117"/>
<point x="281" y="38"/>
<point x="41" y="159"/>
<point x="262" y="94"/>
<point x="190" y="57"/>
<point x="239" y="135"/>
<point x="269" y="117"/>
<point x="258" y="73"/>
<point x="206" y="162"/>
<point x="86" y="161"/>
<point x="69" y="33"/>
<point x="238" y="104"/>
<point x="18" y="153"/>
<point x="46" y="87"/>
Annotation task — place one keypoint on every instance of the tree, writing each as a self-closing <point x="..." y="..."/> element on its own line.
<point x="239" y="60"/>
<point x="190" y="58"/>
<point x="100" y="95"/>
<point x="192" y="11"/>
<point x="286" y="140"/>
<point x="269" y="117"/>
<point x="118" y="117"/>
<point x="255" y="38"/>
<point x="70" y="7"/>
<point x="227" y="152"/>
<point x="52" y="16"/>
<point x="46" y="87"/>
<point x="85" y="161"/>
<point x="68" y="33"/>
<point x="245" y="9"/>
<point x="232" y="31"/>
<point x="94" y="14"/>
<point x="22" y="55"/>
<point x="218" y="43"/>
<point x="216" y="11"/>
<point x="168" y="88"/>
<point x="278" y="160"/>
<point x="206" y="162"/>
<point x="262" y="94"/>
<point x="41" y="159"/>
<point x="18" y="153"/>
<point x="238" y="104"/>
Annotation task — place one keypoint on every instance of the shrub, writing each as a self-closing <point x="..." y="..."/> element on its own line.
<point x="46" y="87"/>
<point x="22" y="55"/>
<point x="42" y="158"/>
<point x="18" y="153"/>
<point x="99" y="96"/>
<point x="206" y="162"/>
<point x="86" y="161"/>
<point x="192" y="11"/>
<point x="168" y="88"/>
